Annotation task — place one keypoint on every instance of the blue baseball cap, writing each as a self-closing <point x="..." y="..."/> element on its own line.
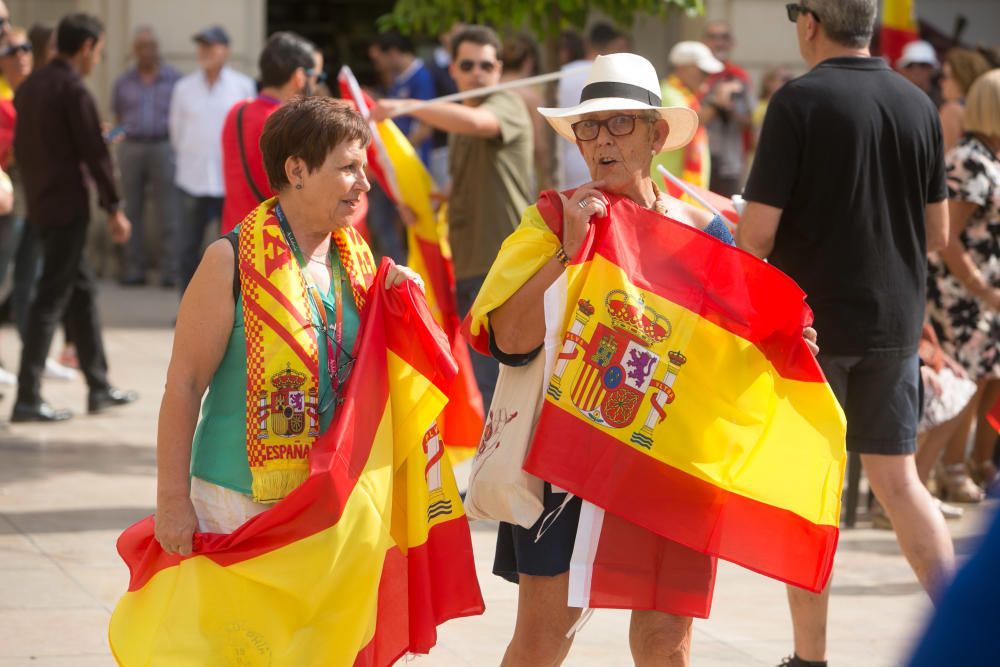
<point x="215" y="34"/>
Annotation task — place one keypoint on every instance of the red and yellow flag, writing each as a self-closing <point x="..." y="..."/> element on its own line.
<point x="398" y="169"/>
<point x="899" y="28"/>
<point x="684" y="398"/>
<point x="358" y="565"/>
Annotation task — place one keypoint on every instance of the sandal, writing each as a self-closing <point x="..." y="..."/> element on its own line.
<point x="958" y="485"/>
<point x="984" y="473"/>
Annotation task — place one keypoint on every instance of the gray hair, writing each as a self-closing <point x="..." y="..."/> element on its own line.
<point x="846" y="22"/>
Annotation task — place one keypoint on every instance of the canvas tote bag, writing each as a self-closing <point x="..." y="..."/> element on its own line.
<point x="498" y="488"/>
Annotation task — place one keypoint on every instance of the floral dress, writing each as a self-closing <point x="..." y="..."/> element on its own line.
<point x="969" y="332"/>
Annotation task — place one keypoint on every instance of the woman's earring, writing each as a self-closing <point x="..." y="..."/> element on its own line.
<point x="298" y="186"/>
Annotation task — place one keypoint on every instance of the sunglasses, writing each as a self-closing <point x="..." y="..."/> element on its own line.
<point x="796" y="10"/>
<point x="320" y="75"/>
<point x="485" y="65"/>
<point x="618" y="126"/>
<point x="14" y="49"/>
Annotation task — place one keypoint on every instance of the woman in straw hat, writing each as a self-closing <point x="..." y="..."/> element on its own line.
<point x="618" y="127"/>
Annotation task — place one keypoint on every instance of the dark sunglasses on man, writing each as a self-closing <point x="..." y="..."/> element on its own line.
<point x="795" y="10"/>
<point x="485" y="65"/>
<point x="320" y="75"/>
<point x="14" y="49"/>
<point x="618" y="126"/>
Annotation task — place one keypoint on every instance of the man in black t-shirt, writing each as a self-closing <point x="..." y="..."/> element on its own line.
<point x="847" y="195"/>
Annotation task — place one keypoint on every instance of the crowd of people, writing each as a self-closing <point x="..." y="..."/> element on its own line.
<point x="874" y="185"/>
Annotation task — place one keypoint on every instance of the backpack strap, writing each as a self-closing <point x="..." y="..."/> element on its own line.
<point x="233" y="239"/>
<point x="243" y="153"/>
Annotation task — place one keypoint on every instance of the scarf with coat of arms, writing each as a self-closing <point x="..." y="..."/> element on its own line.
<point x="282" y="416"/>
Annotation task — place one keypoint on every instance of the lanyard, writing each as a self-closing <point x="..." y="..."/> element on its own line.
<point x="332" y="357"/>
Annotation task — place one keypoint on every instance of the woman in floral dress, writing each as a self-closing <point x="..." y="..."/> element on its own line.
<point x="964" y="281"/>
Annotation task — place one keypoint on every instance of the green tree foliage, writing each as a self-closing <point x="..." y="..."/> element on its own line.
<point x="546" y="18"/>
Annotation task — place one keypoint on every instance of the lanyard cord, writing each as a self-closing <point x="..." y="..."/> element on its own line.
<point x="332" y="357"/>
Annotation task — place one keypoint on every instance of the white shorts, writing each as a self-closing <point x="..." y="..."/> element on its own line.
<point x="222" y="510"/>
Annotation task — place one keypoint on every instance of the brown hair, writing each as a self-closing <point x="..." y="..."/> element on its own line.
<point x="477" y="34"/>
<point x="966" y="65"/>
<point x="308" y="128"/>
<point x="518" y="48"/>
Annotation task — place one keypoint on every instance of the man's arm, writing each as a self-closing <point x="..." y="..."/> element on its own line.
<point x="757" y="229"/>
<point x="448" y="117"/>
<point x="85" y="128"/>
<point x="936" y="222"/>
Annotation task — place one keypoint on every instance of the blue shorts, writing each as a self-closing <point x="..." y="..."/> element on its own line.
<point x="518" y="552"/>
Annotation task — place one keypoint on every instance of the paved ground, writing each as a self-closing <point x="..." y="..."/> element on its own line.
<point x="67" y="490"/>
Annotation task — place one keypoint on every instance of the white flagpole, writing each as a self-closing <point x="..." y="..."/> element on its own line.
<point x="480" y="92"/>
<point x="690" y="192"/>
<point x="359" y="99"/>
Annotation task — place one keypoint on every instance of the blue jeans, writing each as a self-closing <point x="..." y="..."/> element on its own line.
<point x="199" y="213"/>
<point x="486" y="369"/>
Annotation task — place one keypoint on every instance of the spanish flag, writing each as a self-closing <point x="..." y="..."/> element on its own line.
<point x="398" y="169"/>
<point x="899" y="28"/>
<point x="358" y="565"/>
<point x="683" y="398"/>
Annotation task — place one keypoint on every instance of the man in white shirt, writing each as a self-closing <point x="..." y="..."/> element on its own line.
<point x="198" y="110"/>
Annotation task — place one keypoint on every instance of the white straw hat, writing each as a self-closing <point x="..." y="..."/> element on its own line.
<point x="624" y="82"/>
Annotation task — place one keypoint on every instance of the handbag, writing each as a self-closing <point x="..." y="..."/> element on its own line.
<point x="499" y="488"/>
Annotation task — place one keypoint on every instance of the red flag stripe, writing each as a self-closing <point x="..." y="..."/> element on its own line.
<point x="253" y="274"/>
<point x="686" y="265"/>
<point x="681" y="507"/>
<point x="286" y="335"/>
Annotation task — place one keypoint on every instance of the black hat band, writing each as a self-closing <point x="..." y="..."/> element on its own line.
<point x="628" y="91"/>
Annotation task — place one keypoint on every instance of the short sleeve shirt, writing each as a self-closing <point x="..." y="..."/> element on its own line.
<point x="491" y="185"/>
<point x="852" y="153"/>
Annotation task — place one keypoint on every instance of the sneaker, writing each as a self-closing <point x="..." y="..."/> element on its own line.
<point x="7" y="378"/>
<point x="56" y="371"/>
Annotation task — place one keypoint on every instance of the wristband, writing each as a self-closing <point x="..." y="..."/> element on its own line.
<point x="562" y="257"/>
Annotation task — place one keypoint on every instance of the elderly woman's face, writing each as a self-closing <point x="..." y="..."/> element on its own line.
<point x="336" y="187"/>
<point x="623" y="159"/>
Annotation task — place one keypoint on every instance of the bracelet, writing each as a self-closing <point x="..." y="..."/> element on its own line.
<point x="562" y="257"/>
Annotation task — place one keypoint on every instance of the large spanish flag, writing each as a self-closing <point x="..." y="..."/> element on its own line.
<point x="358" y="565"/>
<point x="899" y="28"/>
<point x="396" y="165"/>
<point x="684" y="398"/>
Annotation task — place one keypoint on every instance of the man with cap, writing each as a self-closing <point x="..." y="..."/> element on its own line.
<point x="919" y="64"/>
<point x="197" y="112"/>
<point x="691" y="64"/>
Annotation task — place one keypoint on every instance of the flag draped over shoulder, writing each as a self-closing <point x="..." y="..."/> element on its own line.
<point x="899" y="28"/>
<point x="358" y="565"/>
<point x="398" y="169"/>
<point x="684" y="399"/>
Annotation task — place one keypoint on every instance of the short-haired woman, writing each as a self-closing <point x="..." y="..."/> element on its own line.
<point x="273" y="341"/>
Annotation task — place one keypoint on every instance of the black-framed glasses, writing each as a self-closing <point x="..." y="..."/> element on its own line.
<point x="618" y="126"/>
<point x="795" y="10"/>
<point x="485" y="65"/>
<point x="14" y="49"/>
<point x="320" y="74"/>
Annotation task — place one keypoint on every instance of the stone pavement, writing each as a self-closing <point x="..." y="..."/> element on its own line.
<point x="67" y="491"/>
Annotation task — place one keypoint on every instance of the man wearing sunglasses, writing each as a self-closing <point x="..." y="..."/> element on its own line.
<point x="289" y="65"/>
<point x="491" y="165"/>
<point x="847" y="195"/>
